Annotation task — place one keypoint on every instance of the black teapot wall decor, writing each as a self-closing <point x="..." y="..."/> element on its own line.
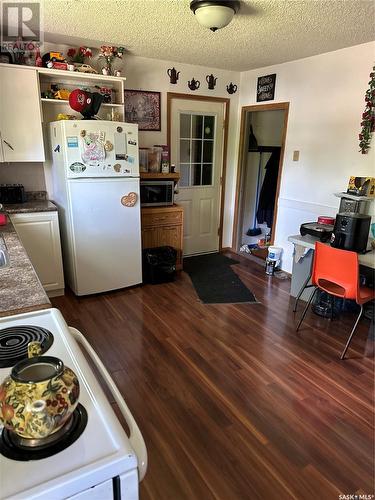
<point x="231" y="88"/>
<point x="173" y="75"/>
<point x="194" y="84"/>
<point x="211" y="80"/>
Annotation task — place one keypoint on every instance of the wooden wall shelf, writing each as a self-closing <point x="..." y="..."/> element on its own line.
<point x="150" y="175"/>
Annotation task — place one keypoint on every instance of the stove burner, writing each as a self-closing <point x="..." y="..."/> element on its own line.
<point x="14" y="342"/>
<point x="13" y="447"/>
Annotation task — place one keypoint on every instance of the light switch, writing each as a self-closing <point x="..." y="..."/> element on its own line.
<point x="295" y="155"/>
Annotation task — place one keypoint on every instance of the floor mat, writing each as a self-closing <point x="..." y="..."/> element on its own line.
<point x="214" y="280"/>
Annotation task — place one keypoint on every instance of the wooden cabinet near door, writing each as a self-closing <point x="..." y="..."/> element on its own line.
<point x="163" y="226"/>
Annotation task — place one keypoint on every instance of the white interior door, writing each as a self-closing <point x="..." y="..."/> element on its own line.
<point x="197" y="137"/>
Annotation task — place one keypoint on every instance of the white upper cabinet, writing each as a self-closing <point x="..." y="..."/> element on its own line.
<point x="20" y="116"/>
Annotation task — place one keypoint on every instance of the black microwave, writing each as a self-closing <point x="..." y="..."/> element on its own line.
<point x="157" y="193"/>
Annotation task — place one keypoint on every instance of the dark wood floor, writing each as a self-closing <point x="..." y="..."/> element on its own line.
<point x="231" y="402"/>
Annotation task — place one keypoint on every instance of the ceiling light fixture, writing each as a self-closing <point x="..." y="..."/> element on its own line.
<point x="214" y="14"/>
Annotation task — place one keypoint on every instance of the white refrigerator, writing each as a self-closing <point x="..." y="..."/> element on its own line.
<point x="95" y="181"/>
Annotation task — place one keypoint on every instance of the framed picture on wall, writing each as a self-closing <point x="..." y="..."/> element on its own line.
<point x="143" y="107"/>
<point x="266" y="88"/>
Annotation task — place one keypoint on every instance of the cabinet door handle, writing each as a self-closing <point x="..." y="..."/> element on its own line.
<point x="9" y="145"/>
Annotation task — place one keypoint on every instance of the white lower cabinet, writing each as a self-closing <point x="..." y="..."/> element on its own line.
<point x="40" y="236"/>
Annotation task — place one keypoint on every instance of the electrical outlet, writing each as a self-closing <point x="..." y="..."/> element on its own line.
<point x="295" y="155"/>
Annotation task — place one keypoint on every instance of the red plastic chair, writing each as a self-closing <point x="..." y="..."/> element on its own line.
<point x="336" y="272"/>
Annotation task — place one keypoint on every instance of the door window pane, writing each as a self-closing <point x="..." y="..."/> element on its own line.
<point x="196" y="175"/>
<point x="184" y="175"/>
<point x="209" y="126"/>
<point x="184" y="151"/>
<point x="185" y="126"/>
<point x="196" y="126"/>
<point x="196" y="151"/>
<point x="197" y="136"/>
<point x="207" y="175"/>
<point x="207" y="151"/>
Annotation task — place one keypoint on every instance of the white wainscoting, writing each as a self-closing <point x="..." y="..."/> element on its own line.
<point x="293" y="213"/>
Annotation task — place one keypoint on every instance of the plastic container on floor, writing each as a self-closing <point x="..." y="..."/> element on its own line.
<point x="274" y="253"/>
<point x="159" y="265"/>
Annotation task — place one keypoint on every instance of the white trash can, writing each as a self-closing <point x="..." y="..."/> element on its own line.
<point x="273" y="259"/>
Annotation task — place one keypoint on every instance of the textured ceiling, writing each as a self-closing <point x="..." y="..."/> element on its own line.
<point x="264" y="32"/>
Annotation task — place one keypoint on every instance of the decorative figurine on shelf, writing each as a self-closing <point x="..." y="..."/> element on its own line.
<point x="85" y="68"/>
<point x="64" y="116"/>
<point x="194" y="84"/>
<point x="211" y="80"/>
<point x="109" y="53"/>
<point x="231" y="88"/>
<point x="5" y="57"/>
<point x="62" y="94"/>
<point x="173" y="75"/>
<point x="107" y="94"/>
<point x="79" y="55"/>
<point x="50" y="93"/>
<point x="38" y="59"/>
<point x="86" y="103"/>
<point x="54" y="60"/>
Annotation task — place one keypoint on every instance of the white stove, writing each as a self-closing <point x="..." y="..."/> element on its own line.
<point x="103" y="463"/>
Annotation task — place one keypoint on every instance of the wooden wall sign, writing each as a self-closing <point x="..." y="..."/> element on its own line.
<point x="266" y="88"/>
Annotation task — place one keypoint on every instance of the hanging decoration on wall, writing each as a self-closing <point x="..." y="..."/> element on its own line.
<point x="194" y="84"/>
<point x="368" y="116"/>
<point x="266" y="88"/>
<point x="231" y="88"/>
<point x="211" y="80"/>
<point x="173" y="75"/>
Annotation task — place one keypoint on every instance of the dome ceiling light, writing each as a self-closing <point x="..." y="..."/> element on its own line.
<point x="214" y="14"/>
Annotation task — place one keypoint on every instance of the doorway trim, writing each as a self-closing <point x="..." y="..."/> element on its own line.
<point x="226" y="102"/>
<point x="240" y="167"/>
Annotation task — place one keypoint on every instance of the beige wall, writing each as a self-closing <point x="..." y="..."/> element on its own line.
<point x="151" y="74"/>
<point x="31" y="175"/>
<point x="326" y="95"/>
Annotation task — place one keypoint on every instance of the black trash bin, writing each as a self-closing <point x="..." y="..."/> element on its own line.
<point x="159" y="265"/>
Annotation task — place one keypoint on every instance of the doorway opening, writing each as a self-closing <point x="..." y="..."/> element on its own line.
<point x="262" y="142"/>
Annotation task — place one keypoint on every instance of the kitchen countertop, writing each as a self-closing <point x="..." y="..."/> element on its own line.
<point x="30" y="207"/>
<point x="20" y="288"/>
